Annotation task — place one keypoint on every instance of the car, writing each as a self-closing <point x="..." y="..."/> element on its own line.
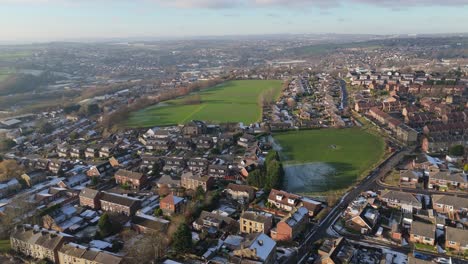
<point x="443" y="260"/>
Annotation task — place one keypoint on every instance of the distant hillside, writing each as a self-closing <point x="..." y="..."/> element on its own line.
<point x="24" y="83"/>
<point x="445" y="47"/>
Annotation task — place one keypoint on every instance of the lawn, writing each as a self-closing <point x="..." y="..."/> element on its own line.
<point x="4" y="246"/>
<point x="233" y="101"/>
<point x="4" y="73"/>
<point x="327" y="159"/>
<point x="11" y="55"/>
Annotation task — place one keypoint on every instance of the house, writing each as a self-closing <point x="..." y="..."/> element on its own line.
<point x="329" y="249"/>
<point x="214" y="221"/>
<point x="218" y="170"/>
<point x="192" y="182"/>
<point x="174" y="163"/>
<point x="130" y="178"/>
<point x="183" y="143"/>
<point x="291" y="226"/>
<point x="363" y="222"/>
<point x="169" y="181"/>
<point x="90" y="198"/>
<point x="283" y="200"/>
<point x="410" y="178"/>
<point x="91" y="152"/>
<point x="194" y="128"/>
<point x="241" y="192"/>
<point x="258" y="248"/>
<point x="63" y="151"/>
<point x="37" y="242"/>
<point x="447" y="204"/>
<point x="203" y="142"/>
<point x="312" y="206"/>
<point x="255" y="222"/>
<point x="149" y="160"/>
<point x="172" y="204"/>
<point x="247" y="140"/>
<point x="456" y="239"/>
<point x="58" y="166"/>
<point x="158" y="144"/>
<point x="149" y="224"/>
<point x="71" y="253"/>
<point x="402" y="200"/>
<point x="422" y="233"/>
<point x="100" y="169"/>
<point x="197" y="164"/>
<point x="77" y="152"/>
<point x="116" y="203"/>
<point x="106" y="151"/>
<point x="444" y="180"/>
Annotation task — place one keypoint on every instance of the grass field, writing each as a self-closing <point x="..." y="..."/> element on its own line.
<point x="4" y="73"/>
<point x="4" y="246"/>
<point x="348" y="152"/>
<point x="10" y="55"/>
<point x="233" y="101"/>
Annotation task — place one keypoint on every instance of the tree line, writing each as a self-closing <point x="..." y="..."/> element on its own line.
<point x="269" y="175"/>
<point x="121" y="114"/>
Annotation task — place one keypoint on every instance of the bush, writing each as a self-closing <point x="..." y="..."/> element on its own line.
<point x="457" y="150"/>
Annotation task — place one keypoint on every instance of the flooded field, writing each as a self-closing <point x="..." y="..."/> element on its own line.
<point x="309" y="177"/>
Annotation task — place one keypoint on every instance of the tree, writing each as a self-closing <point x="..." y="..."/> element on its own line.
<point x="6" y="144"/>
<point x="182" y="239"/>
<point x="158" y="212"/>
<point x="94" y="181"/>
<point x="150" y="248"/>
<point x="105" y="225"/>
<point x="200" y="193"/>
<point x="45" y="127"/>
<point x="457" y="150"/>
<point x="10" y="169"/>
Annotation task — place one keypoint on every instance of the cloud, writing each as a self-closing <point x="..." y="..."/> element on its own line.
<point x="393" y="4"/>
<point x="224" y="4"/>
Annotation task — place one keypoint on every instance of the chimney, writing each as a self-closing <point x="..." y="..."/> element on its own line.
<point x="260" y="242"/>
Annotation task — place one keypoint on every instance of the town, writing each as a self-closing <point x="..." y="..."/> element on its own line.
<point x="107" y="177"/>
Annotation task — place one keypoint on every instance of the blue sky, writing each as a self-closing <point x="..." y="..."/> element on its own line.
<point x="45" y="20"/>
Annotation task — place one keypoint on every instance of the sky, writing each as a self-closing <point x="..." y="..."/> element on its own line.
<point x="58" y="20"/>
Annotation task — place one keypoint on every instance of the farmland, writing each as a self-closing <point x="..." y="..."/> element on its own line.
<point x="232" y="101"/>
<point x="327" y="159"/>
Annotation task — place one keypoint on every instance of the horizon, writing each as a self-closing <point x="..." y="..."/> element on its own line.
<point x="63" y="20"/>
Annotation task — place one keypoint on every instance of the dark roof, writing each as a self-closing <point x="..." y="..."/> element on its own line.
<point x="151" y="224"/>
<point x="118" y="199"/>
<point x="89" y="193"/>
<point x="457" y="235"/>
<point x="241" y="188"/>
<point x="423" y="229"/>
<point x="256" y="217"/>
<point x="456" y="202"/>
<point x="171" y="199"/>
<point x="129" y="174"/>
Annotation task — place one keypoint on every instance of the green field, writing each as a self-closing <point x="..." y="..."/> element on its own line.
<point x="327" y="159"/>
<point x="4" y="246"/>
<point x="11" y="55"/>
<point x="4" y="73"/>
<point x="233" y="101"/>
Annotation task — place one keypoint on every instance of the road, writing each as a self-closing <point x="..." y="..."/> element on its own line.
<point x="344" y="95"/>
<point x="369" y="183"/>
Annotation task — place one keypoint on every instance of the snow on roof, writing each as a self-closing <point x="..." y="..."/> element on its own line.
<point x="263" y="245"/>
<point x="99" y="244"/>
<point x="68" y="210"/>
